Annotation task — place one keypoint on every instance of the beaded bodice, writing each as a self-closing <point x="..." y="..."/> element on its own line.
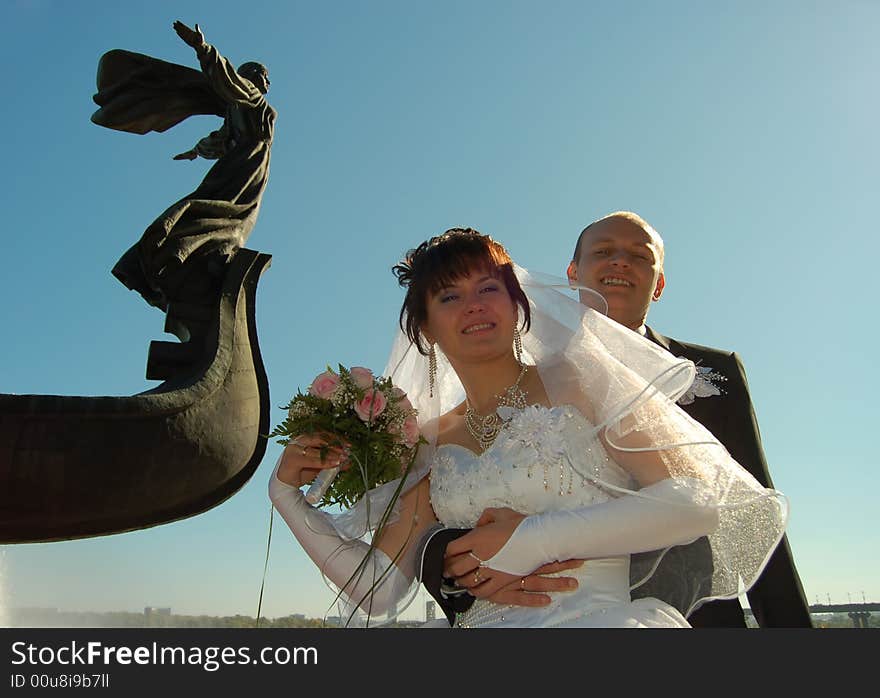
<point x="528" y="468"/>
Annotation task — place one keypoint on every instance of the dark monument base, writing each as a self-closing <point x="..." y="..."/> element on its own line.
<point x="74" y="467"/>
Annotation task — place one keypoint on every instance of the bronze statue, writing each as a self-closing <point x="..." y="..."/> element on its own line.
<point x="197" y="235"/>
<point x="80" y="466"/>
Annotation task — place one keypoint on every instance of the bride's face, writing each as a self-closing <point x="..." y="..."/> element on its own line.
<point x="473" y="318"/>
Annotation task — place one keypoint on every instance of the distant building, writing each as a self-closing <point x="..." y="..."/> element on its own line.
<point x="154" y="616"/>
<point x="154" y="611"/>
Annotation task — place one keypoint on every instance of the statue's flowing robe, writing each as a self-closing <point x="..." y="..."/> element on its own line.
<point x="138" y="94"/>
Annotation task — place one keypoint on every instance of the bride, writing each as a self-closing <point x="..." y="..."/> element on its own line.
<point x="554" y="432"/>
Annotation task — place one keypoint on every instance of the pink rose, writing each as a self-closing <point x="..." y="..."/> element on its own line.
<point x="372" y="405"/>
<point x="411" y="431"/>
<point x="362" y="377"/>
<point x="324" y="385"/>
<point x="401" y="399"/>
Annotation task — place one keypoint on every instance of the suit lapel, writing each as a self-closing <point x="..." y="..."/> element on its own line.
<point x="695" y="409"/>
<point x="668" y="344"/>
<point x="657" y="338"/>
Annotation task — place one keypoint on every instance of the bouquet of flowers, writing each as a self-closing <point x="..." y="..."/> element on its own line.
<point x="370" y="415"/>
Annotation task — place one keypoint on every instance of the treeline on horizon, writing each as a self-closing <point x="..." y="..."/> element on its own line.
<point x="52" y="618"/>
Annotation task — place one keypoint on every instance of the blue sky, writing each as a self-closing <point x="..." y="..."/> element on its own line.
<point x="744" y="132"/>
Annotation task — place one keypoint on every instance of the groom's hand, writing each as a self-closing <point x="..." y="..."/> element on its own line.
<point x="513" y="590"/>
<point x="532" y="590"/>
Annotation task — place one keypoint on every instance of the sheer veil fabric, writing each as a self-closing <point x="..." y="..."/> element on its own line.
<point x="626" y="386"/>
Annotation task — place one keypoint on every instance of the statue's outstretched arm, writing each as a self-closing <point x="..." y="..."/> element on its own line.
<point x="221" y="74"/>
<point x="192" y="37"/>
<point x="190" y="154"/>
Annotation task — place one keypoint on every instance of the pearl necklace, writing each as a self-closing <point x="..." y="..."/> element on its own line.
<point x="486" y="429"/>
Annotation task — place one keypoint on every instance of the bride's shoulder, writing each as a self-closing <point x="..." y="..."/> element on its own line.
<point x="450" y="419"/>
<point x="450" y="424"/>
<point x="558" y="366"/>
<point x="445" y="428"/>
<point x="565" y="384"/>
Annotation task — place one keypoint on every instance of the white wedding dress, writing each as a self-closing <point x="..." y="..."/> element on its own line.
<point x="528" y="468"/>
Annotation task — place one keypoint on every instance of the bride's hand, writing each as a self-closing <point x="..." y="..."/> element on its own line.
<point x="302" y="458"/>
<point x="493" y="529"/>
<point x="464" y="555"/>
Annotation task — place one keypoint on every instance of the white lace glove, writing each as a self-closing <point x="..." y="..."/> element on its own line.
<point x="338" y="558"/>
<point x="670" y="513"/>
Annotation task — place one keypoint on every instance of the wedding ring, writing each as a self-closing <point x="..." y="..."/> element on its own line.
<point x="471" y="553"/>
<point x="303" y="451"/>
<point x="477" y="577"/>
<point x="522" y="583"/>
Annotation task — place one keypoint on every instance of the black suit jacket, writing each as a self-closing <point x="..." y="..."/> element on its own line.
<point x="777" y="598"/>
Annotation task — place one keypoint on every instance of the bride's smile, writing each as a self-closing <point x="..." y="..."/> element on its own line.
<point x="480" y="327"/>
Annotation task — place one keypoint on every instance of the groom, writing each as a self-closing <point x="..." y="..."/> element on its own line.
<point x="621" y="256"/>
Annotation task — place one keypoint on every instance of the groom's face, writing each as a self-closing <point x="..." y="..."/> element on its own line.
<point x="622" y="261"/>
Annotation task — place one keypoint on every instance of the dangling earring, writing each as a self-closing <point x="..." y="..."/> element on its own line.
<point x="517" y="345"/>
<point x="432" y="370"/>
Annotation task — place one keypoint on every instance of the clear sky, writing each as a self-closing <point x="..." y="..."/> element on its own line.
<point x="745" y="132"/>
